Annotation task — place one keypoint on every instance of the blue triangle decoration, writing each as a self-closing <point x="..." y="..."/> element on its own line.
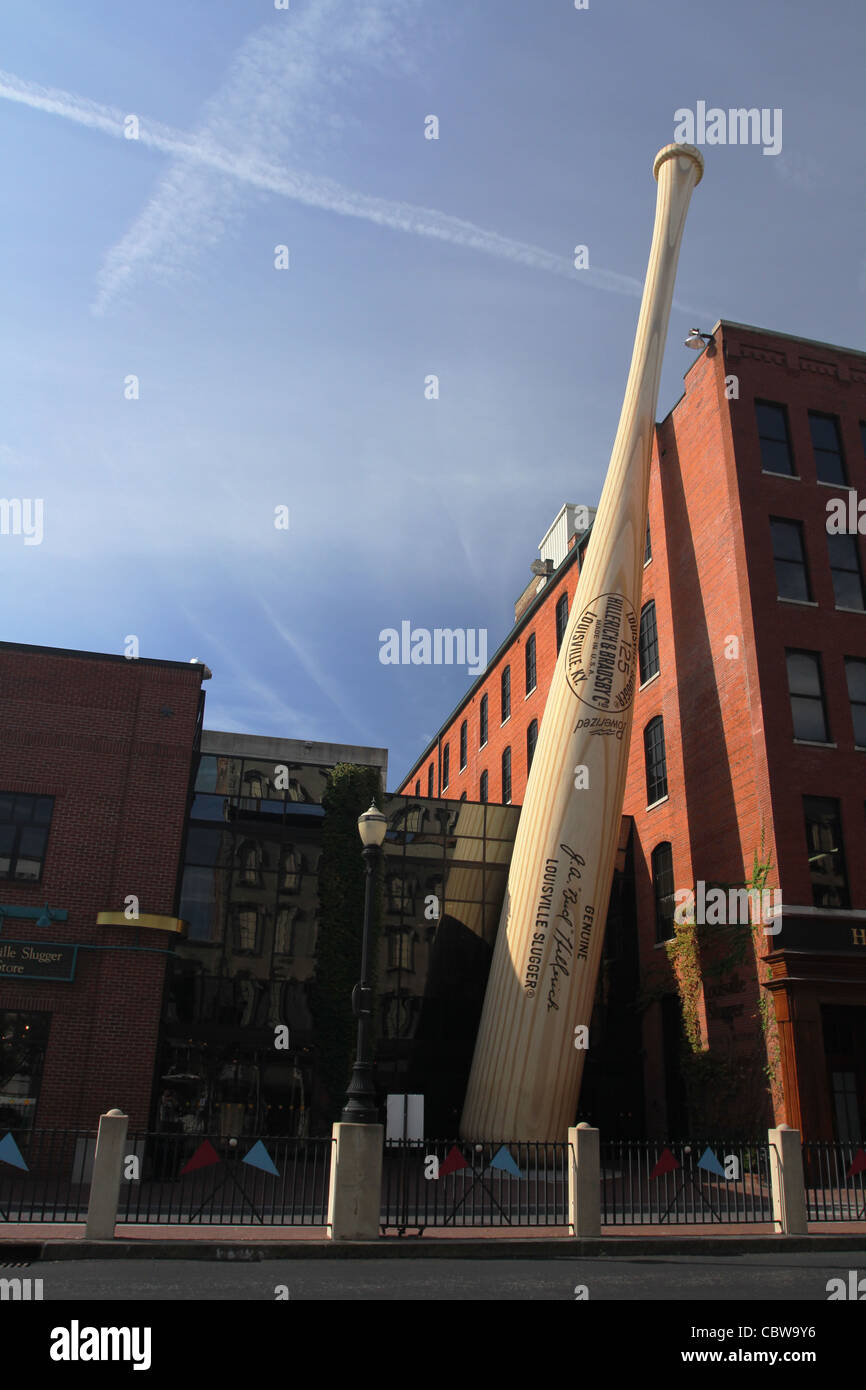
<point x="258" y="1157"/>
<point x="709" y="1161"/>
<point x="502" y="1159"/>
<point x="11" y="1154"/>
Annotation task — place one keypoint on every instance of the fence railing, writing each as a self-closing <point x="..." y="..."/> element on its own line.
<point x="652" y="1183"/>
<point x="835" y="1180"/>
<point x="435" y="1182"/>
<point x="212" y="1180"/>
<point x="45" y="1174"/>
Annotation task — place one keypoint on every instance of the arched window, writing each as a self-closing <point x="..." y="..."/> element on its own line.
<point x="482" y="793"/>
<point x="249" y="861"/>
<point x="505" y="683"/>
<point x="531" y="740"/>
<point x="506" y="775"/>
<point x="648" y="643"/>
<point x="418" y="787"/>
<point x="648" y="545"/>
<point x="430" y="780"/>
<point x="655" y="760"/>
<point x="446" y="765"/>
<point x="663" y="889"/>
<point x="530" y="664"/>
<point x="463" y="744"/>
<point x="482" y="722"/>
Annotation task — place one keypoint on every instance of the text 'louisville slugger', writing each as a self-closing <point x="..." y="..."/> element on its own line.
<point x="526" y="1071"/>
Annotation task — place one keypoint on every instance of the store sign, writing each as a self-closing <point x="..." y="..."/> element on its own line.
<point x="36" y="960"/>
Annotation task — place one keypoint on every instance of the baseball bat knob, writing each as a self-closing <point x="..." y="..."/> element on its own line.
<point x="672" y="152"/>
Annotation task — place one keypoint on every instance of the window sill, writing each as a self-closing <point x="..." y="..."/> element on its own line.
<point x="530" y="692"/>
<point x="840" y="609"/>
<point x="647" y="562"/>
<point x="793" y="477"/>
<point x="648" y="683"/>
<point x="799" y="602"/>
<point x="846" y="487"/>
<point x="657" y="945"/>
<point x="506" y="720"/>
<point x="814" y="743"/>
<point x="661" y="801"/>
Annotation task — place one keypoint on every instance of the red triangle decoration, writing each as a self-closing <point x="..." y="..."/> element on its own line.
<point x="858" y="1163"/>
<point x="203" y="1157"/>
<point x="666" y="1164"/>
<point x="453" y="1163"/>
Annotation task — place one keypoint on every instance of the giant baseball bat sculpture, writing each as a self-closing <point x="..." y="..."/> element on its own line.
<point x="528" y="1062"/>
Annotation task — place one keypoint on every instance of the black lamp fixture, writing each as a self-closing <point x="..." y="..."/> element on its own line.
<point x="360" y="1107"/>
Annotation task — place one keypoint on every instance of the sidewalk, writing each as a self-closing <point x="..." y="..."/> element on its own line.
<point x="63" y="1242"/>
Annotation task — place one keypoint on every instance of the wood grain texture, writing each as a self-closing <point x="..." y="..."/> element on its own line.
<point x="526" y="1071"/>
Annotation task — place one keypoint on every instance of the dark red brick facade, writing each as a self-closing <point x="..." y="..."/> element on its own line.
<point x="112" y="741"/>
<point x="736" y="776"/>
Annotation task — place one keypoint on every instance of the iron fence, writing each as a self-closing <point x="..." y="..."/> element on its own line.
<point x="653" y="1183"/>
<point x="214" y="1180"/>
<point x="45" y="1174"/>
<point x="435" y="1182"/>
<point x="835" y="1178"/>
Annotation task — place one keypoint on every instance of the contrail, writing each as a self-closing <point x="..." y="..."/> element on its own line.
<point x="313" y="191"/>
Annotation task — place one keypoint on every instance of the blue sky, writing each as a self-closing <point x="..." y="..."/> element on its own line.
<point x="304" y="387"/>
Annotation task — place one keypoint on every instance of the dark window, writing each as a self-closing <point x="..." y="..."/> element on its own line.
<point x="245" y="924"/>
<point x="482" y="793"/>
<point x="24" y="824"/>
<point x="505" y="683"/>
<point x="463" y="743"/>
<point x="401" y="950"/>
<point x="774" y="438"/>
<point x="561" y="619"/>
<point x="430" y="780"/>
<point x="829" y="463"/>
<point x="23" y="1040"/>
<point x="446" y="765"/>
<point x="806" y="689"/>
<point x="530" y="664"/>
<point x="789" y="557"/>
<point x="845" y="569"/>
<point x="648" y="546"/>
<point x="648" y="643"/>
<point x="656" y="762"/>
<point x="482" y="723"/>
<point x="418" y="788"/>
<point x="826" y="853"/>
<point x="856" y="673"/>
<point x="531" y="740"/>
<point x="506" y="775"/>
<point x="663" y="888"/>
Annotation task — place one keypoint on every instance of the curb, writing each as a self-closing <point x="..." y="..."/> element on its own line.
<point x="413" y="1248"/>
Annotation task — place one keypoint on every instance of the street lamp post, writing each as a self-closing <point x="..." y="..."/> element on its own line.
<point x="360" y="1107"/>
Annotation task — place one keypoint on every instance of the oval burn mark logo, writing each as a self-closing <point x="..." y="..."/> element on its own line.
<point x="601" y="659"/>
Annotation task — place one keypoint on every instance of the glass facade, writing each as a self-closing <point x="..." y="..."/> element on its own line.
<point x="250" y="895"/>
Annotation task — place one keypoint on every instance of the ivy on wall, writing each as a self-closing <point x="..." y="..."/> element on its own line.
<point x="342" y="884"/>
<point x="716" y="1085"/>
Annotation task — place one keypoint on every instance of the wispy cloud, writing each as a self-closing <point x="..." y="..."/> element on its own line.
<point x="333" y="690"/>
<point x="276" y="93"/>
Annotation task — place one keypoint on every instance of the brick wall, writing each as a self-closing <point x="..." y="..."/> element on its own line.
<point x="89" y="731"/>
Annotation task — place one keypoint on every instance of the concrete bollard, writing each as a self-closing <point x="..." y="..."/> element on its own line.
<point x="355" y="1190"/>
<point x="787" y="1184"/>
<point x="107" y="1169"/>
<point x="584" y="1181"/>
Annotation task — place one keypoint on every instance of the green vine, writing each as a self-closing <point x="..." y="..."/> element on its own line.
<point x="711" y="1082"/>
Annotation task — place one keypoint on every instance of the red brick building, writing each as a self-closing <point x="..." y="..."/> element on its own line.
<point x="96" y="754"/>
<point x="749" y="732"/>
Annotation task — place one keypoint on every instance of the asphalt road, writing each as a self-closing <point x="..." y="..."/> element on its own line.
<point x="762" y="1278"/>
